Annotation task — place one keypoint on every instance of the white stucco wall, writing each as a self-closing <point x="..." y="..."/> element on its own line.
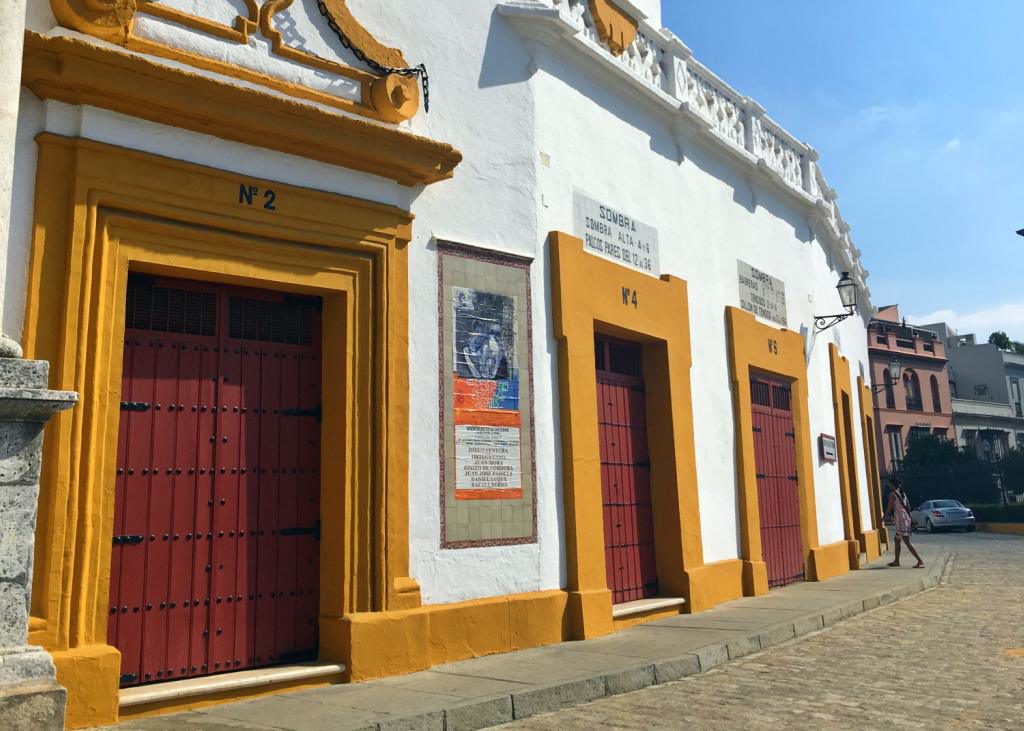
<point x="708" y="215"/>
<point x="652" y="9"/>
<point x="482" y="103"/>
<point x="532" y="124"/>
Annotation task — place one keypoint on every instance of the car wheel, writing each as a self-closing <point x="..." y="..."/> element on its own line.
<point x="971" y="528"/>
<point x="928" y="526"/>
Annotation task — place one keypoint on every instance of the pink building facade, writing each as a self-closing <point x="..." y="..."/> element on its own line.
<point x="919" y="402"/>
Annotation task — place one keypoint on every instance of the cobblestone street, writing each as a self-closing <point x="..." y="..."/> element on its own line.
<point x="952" y="657"/>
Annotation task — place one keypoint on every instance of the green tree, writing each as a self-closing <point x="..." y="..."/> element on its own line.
<point x="1011" y="469"/>
<point x="935" y="468"/>
<point x="1018" y="347"/>
<point x="1001" y="340"/>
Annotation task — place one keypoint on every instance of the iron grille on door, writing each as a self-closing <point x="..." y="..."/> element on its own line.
<point x="777" y="480"/>
<point x="215" y="564"/>
<point x="625" y="472"/>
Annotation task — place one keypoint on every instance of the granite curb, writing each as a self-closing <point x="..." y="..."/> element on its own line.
<point x="494" y="711"/>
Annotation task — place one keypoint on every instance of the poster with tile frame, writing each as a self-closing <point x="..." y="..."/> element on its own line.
<point x="488" y="472"/>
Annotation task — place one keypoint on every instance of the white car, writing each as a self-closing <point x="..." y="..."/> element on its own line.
<point x="936" y="515"/>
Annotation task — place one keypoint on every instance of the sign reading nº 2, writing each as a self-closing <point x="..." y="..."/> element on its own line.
<point x="611" y="234"/>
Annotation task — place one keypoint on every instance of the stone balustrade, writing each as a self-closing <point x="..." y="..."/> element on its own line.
<point x="658" y="60"/>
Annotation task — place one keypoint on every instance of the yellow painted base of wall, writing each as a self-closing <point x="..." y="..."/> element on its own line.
<point x="872" y="544"/>
<point x="589" y="614"/>
<point x="379" y="644"/>
<point x="853" y="550"/>
<point x="1014" y="529"/>
<point x="714" y="583"/>
<point x="831" y="560"/>
<point x="755" y="578"/>
<point x="215" y="699"/>
<point x="92" y="675"/>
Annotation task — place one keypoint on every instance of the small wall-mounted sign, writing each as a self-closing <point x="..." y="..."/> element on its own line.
<point x="829" y="448"/>
<point x="762" y="294"/>
<point x="611" y="234"/>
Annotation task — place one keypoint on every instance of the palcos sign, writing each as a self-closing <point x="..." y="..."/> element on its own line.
<point x="612" y="235"/>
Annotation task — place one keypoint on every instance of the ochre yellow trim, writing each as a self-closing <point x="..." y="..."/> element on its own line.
<point x="391" y="643"/>
<point x="721" y="581"/>
<point x="867" y="410"/>
<point x="1013" y="529"/>
<point x="102" y="211"/>
<point x="587" y="295"/>
<point x="872" y="544"/>
<point x="106" y="19"/>
<point x="76" y="72"/>
<point x="362" y="38"/>
<point x="239" y="32"/>
<point x="152" y="48"/>
<point x="754" y="346"/>
<point x="846" y="449"/>
<point x="831" y="560"/>
<point x="614" y="26"/>
<point x="113" y="20"/>
<point x="391" y="98"/>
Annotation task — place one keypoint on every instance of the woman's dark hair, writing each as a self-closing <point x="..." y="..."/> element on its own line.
<point x="895" y="484"/>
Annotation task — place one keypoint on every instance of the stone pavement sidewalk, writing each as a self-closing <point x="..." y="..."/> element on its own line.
<point x="493" y="690"/>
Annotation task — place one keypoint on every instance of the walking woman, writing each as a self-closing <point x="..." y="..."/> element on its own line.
<point x="898" y="512"/>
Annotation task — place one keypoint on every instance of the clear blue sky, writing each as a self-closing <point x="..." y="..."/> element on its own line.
<point x="917" y="109"/>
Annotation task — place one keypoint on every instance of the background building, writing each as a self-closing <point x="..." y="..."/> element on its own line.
<point x="988" y="393"/>
<point x="918" y="401"/>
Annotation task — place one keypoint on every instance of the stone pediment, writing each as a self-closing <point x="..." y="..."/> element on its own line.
<point x="311" y="49"/>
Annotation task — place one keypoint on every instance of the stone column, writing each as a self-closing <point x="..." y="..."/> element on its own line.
<point x="30" y="697"/>
<point x="12" y="41"/>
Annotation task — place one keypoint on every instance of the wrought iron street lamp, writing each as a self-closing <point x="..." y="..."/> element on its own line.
<point x="847" y="289"/>
<point x="895" y="369"/>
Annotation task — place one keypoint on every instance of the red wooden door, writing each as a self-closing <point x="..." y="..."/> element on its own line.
<point x="777" y="480"/>
<point x="625" y="471"/>
<point x="215" y="564"/>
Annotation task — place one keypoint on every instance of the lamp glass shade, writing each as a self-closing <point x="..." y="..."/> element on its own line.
<point x="847" y="290"/>
<point x="895" y="368"/>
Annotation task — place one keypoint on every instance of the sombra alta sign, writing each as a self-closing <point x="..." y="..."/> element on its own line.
<point x="611" y="234"/>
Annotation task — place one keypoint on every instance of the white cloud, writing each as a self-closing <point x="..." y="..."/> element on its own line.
<point x="1008" y="318"/>
<point x="953" y="144"/>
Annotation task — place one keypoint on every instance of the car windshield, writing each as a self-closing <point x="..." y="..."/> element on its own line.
<point x="947" y="504"/>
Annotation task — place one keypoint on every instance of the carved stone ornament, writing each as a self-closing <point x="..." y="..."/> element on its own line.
<point x="107" y="19"/>
<point x="614" y="26"/>
<point x="395" y="97"/>
<point x="389" y="97"/>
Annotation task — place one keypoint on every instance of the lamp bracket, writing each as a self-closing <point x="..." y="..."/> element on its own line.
<point x="824" y="322"/>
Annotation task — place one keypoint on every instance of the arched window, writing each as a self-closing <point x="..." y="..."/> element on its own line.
<point x="890" y="397"/>
<point x="912" y="386"/>
<point x="936" y="398"/>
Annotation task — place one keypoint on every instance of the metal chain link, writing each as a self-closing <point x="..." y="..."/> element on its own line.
<point x="361" y="56"/>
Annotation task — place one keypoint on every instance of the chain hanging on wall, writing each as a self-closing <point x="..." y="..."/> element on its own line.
<point x="361" y="56"/>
